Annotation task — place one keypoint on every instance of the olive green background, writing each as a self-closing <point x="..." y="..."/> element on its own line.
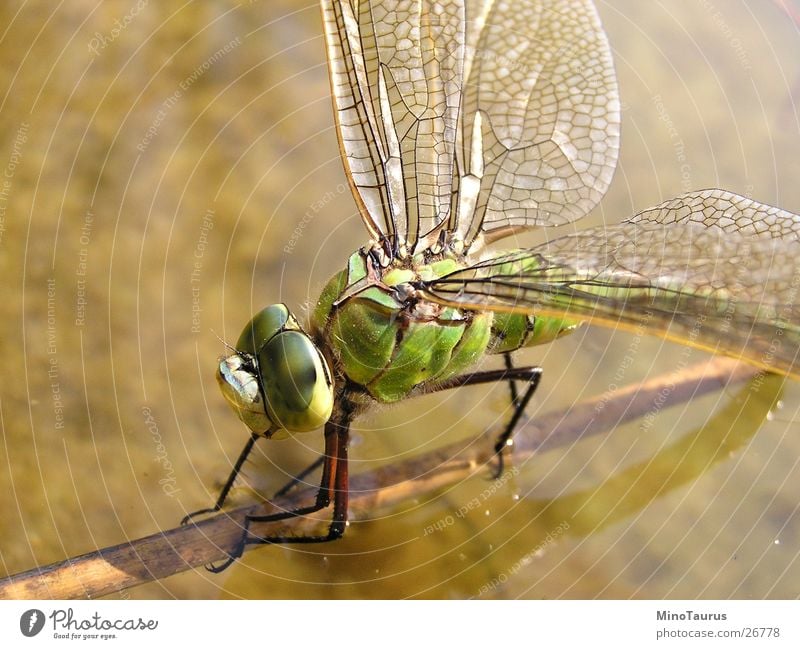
<point x="702" y="502"/>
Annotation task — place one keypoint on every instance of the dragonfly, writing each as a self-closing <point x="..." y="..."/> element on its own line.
<point x="461" y="123"/>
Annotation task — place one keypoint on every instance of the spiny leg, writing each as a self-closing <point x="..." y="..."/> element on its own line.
<point x="504" y="439"/>
<point x="333" y="486"/>
<point x="336" y="488"/>
<point x="235" y="474"/>
<point x="334" y="478"/>
<point x="335" y="470"/>
<point x="530" y="375"/>
<point x="512" y="386"/>
<point x="223" y="495"/>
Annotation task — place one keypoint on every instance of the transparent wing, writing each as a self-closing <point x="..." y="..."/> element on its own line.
<point x="539" y="132"/>
<point x="531" y="138"/>
<point x="709" y="269"/>
<point x="396" y="71"/>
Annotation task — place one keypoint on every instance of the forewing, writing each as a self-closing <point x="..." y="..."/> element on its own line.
<point x="396" y="71"/>
<point x="709" y="269"/>
<point x="539" y="133"/>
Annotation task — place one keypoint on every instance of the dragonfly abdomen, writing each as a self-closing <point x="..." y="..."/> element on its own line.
<point x="512" y="331"/>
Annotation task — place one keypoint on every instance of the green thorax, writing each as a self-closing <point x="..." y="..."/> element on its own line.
<point x="384" y="339"/>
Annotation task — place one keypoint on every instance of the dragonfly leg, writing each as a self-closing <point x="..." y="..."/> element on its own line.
<point x="300" y="477"/>
<point x="512" y="386"/>
<point x="223" y="495"/>
<point x="504" y="439"/>
<point x="529" y="375"/>
<point x="333" y="487"/>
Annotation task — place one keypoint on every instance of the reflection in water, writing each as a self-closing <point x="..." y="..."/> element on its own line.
<point x="514" y="543"/>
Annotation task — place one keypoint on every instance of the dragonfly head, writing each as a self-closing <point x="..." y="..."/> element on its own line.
<point x="277" y="380"/>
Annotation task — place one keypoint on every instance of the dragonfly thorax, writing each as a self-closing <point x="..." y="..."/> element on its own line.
<point x="385" y="337"/>
<point x="277" y="379"/>
<point x="387" y="340"/>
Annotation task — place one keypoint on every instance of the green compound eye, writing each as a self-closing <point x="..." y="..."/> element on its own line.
<point x="296" y="382"/>
<point x="264" y="325"/>
<point x="277" y="379"/>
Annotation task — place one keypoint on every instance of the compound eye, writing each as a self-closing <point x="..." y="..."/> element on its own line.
<point x="264" y="325"/>
<point x="296" y="381"/>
